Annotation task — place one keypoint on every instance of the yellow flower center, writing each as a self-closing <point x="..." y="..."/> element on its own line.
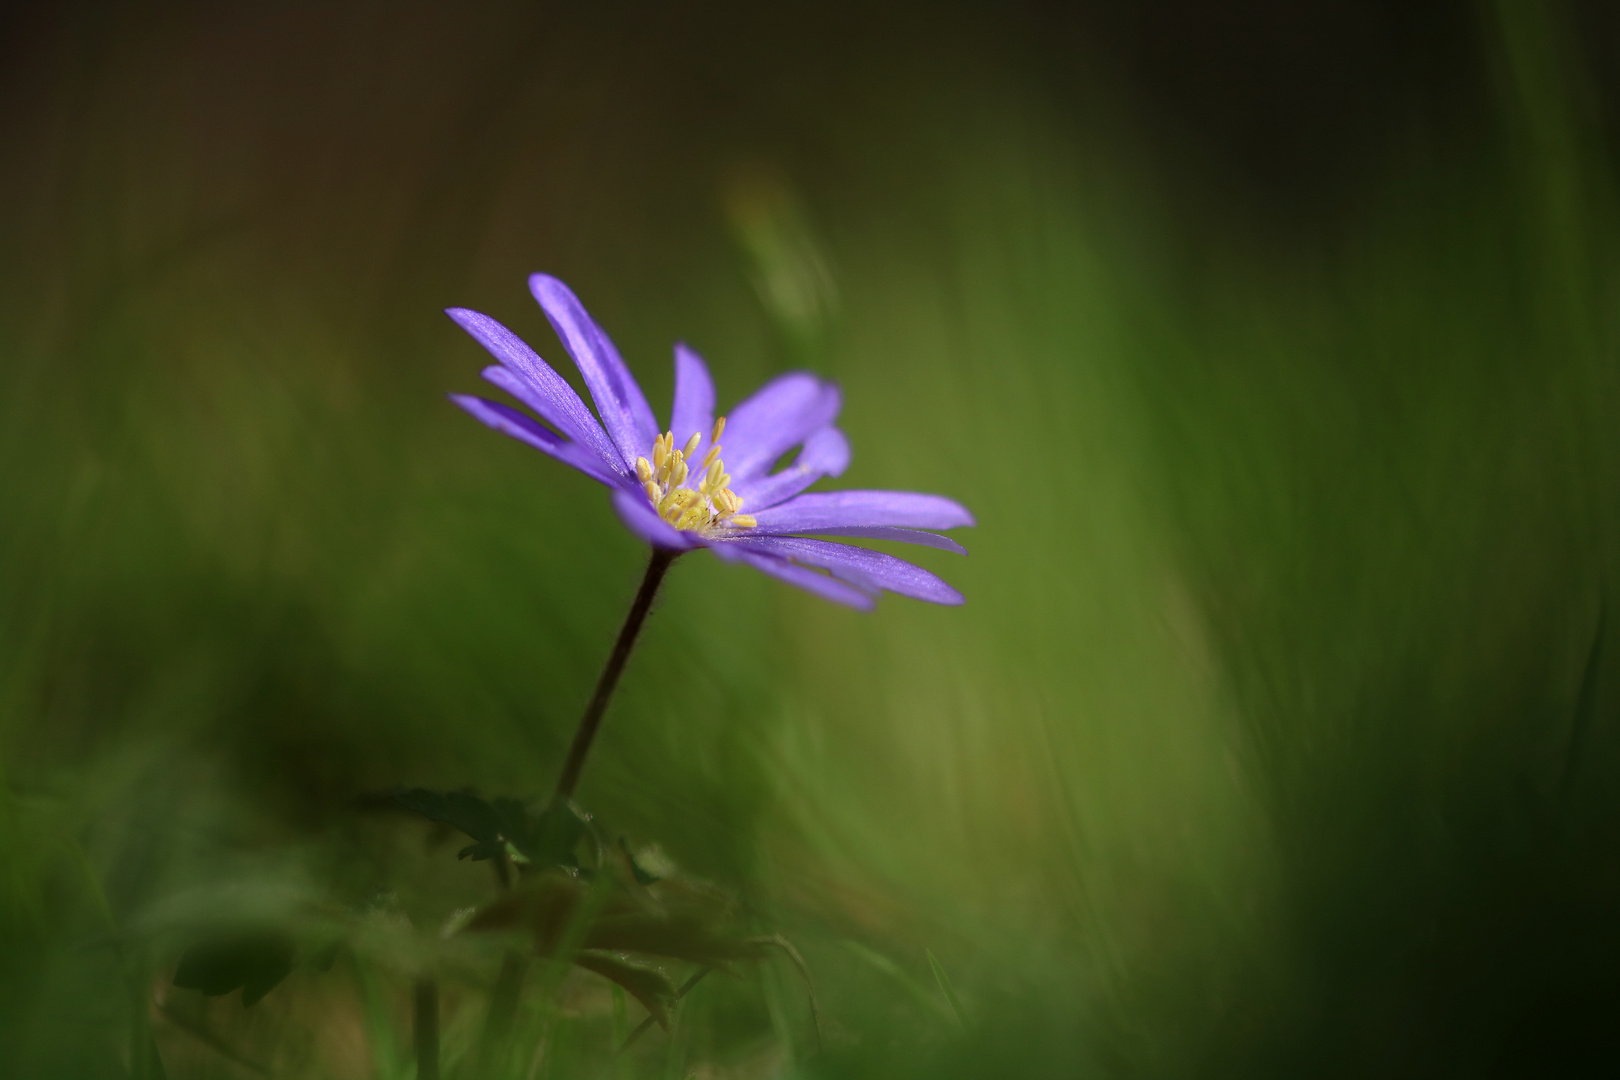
<point x="708" y="505"/>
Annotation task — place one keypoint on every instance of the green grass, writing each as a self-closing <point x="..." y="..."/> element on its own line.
<point x="1275" y="737"/>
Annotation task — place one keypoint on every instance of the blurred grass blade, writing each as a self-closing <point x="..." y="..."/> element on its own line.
<point x="946" y="988"/>
<point x="621" y="1019"/>
<point x="646" y="983"/>
<point x="918" y="992"/>
<point x="777" y="941"/>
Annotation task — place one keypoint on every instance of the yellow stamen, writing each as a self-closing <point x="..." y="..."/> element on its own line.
<point x="743" y="521"/>
<point x="710" y="502"/>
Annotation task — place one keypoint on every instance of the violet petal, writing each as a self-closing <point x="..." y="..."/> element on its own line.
<point x="879" y="532"/>
<point x="849" y="509"/>
<point x="508" y="421"/>
<point x="619" y="401"/>
<point x="859" y="566"/>
<point x="604" y="455"/>
<point x="640" y="518"/>
<point x="694" y="399"/>
<point x="534" y="383"/>
<point x="805" y="578"/>
<point x="775" y="419"/>
<point x="826" y="453"/>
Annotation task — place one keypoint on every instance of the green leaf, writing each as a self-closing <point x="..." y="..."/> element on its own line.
<point x="501" y="825"/>
<point x="644" y="982"/>
<point x="254" y="960"/>
<point x="552" y="837"/>
<point x="463" y="810"/>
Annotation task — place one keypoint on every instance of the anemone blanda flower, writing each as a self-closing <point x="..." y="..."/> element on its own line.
<point x="689" y="486"/>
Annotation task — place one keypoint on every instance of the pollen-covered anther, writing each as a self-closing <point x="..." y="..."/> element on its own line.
<point x="673" y="502"/>
<point x="710" y="503"/>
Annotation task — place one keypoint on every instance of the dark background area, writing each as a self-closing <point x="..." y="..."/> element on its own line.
<point x="1273" y="345"/>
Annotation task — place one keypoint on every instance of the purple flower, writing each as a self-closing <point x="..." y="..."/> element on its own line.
<point x="676" y="491"/>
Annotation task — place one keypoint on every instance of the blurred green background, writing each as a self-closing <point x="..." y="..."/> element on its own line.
<point x="1272" y="344"/>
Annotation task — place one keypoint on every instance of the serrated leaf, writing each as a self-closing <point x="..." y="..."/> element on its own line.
<point x="483" y="850"/>
<point x="254" y="960"/>
<point x="555" y="833"/>
<point x="460" y="809"/>
<point x="645" y="983"/>
<point x="502" y="824"/>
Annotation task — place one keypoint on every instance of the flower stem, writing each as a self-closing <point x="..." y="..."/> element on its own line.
<point x="610" y="674"/>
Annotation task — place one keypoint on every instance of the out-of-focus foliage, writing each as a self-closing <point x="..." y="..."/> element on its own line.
<point x="1277" y="737"/>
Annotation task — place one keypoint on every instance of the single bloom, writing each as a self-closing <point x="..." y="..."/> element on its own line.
<point x="707" y="482"/>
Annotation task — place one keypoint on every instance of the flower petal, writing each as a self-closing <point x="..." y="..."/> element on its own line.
<point x="848" y="509"/>
<point x="603" y="455"/>
<point x="619" y="401"/>
<point x="508" y="421"/>
<point x="694" y="399"/>
<point x="880" y="532"/>
<point x="810" y="580"/>
<point x="826" y="453"/>
<point x="531" y="380"/>
<point x="861" y="567"/>
<point x="639" y="516"/>
<point x="779" y="416"/>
